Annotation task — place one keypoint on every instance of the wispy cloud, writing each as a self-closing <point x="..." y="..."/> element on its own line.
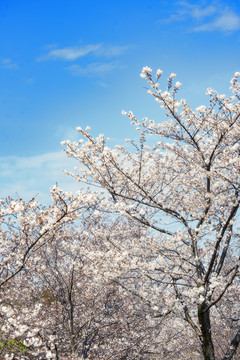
<point x="75" y="52"/>
<point x="194" y="11"/>
<point x="100" y="52"/>
<point x="98" y="69"/>
<point x="112" y="50"/>
<point x="227" y="22"/>
<point x="69" y="53"/>
<point x="7" y="63"/>
<point x="214" y="17"/>
<point x="29" y="176"/>
<point x="28" y="80"/>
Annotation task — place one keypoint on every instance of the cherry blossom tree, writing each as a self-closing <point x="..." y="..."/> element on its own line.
<point x="25" y="229"/>
<point x="88" y="317"/>
<point x="27" y="226"/>
<point x="69" y="311"/>
<point x="143" y="262"/>
<point x="180" y="184"/>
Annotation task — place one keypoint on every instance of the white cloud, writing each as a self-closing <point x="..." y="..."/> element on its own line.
<point x="28" y="176"/>
<point x="196" y="11"/>
<point x="99" y="51"/>
<point x="228" y="21"/>
<point x="76" y="52"/>
<point x="112" y="50"/>
<point x="7" y="63"/>
<point x="99" y="69"/>
<point x="70" y="53"/>
<point x="193" y="11"/>
<point x="29" y="80"/>
<point x="214" y="17"/>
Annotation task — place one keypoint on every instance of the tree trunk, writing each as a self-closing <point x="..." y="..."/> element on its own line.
<point x="206" y="335"/>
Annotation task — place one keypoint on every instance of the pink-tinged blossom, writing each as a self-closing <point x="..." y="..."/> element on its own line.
<point x="158" y="73"/>
<point x="178" y="84"/>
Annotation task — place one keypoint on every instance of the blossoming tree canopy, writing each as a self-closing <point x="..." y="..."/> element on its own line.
<point x="183" y="190"/>
<point x="143" y="262"/>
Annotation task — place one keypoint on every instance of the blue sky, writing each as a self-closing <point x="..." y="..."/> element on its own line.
<point x="76" y="63"/>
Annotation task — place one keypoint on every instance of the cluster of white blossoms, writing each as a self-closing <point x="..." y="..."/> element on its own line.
<point x="146" y="71"/>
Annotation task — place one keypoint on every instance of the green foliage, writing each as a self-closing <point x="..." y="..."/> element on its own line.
<point x="12" y="345"/>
